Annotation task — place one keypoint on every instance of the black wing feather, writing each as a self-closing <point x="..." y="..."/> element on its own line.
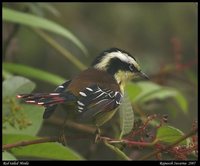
<point x="95" y="100"/>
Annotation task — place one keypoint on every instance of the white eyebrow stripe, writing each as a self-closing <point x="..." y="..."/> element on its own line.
<point x="61" y="86"/>
<point x="118" y="54"/>
<point x="124" y="57"/>
<point x="128" y="59"/>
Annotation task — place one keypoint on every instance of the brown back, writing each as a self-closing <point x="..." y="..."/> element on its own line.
<point x="90" y="77"/>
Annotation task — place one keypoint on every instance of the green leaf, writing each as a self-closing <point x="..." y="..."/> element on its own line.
<point x="33" y="73"/>
<point x="193" y="77"/>
<point x="38" y="22"/>
<point x="15" y="85"/>
<point x="182" y="102"/>
<point x="63" y="51"/>
<point x="147" y="88"/>
<point x="6" y="74"/>
<point x="52" y="151"/>
<point x="49" y="7"/>
<point x="137" y="91"/>
<point x="33" y="114"/>
<point x="160" y="94"/>
<point x="40" y="9"/>
<point x="148" y="91"/>
<point x="169" y="134"/>
<point x="133" y="90"/>
<point x="126" y="116"/>
<point x="8" y="156"/>
<point x="29" y="116"/>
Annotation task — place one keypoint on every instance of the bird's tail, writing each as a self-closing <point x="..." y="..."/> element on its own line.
<point x="48" y="100"/>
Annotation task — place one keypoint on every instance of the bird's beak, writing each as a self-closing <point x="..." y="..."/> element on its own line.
<point x="143" y="75"/>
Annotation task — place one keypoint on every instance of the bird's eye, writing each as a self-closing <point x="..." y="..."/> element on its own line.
<point x="131" y="67"/>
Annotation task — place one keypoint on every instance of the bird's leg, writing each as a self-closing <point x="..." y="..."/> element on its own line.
<point x="62" y="138"/>
<point x="97" y="134"/>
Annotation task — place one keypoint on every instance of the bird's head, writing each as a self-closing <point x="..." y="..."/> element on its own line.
<point x="120" y="64"/>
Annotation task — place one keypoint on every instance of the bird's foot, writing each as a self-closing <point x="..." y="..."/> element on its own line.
<point x="62" y="139"/>
<point x="97" y="135"/>
<point x="62" y="136"/>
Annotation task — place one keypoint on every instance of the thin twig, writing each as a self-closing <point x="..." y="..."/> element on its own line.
<point x="129" y="142"/>
<point x="170" y="146"/>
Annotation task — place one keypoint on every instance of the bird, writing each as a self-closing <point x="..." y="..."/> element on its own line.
<point x="95" y="93"/>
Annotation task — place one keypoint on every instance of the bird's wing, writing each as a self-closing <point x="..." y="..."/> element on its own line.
<point x="96" y="99"/>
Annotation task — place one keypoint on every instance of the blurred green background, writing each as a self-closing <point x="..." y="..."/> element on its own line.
<point x="161" y="36"/>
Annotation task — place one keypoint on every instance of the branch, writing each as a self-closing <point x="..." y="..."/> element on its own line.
<point x="107" y="141"/>
<point x="31" y="142"/>
<point x="71" y="124"/>
<point x="62" y="138"/>
<point x="170" y="146"/>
